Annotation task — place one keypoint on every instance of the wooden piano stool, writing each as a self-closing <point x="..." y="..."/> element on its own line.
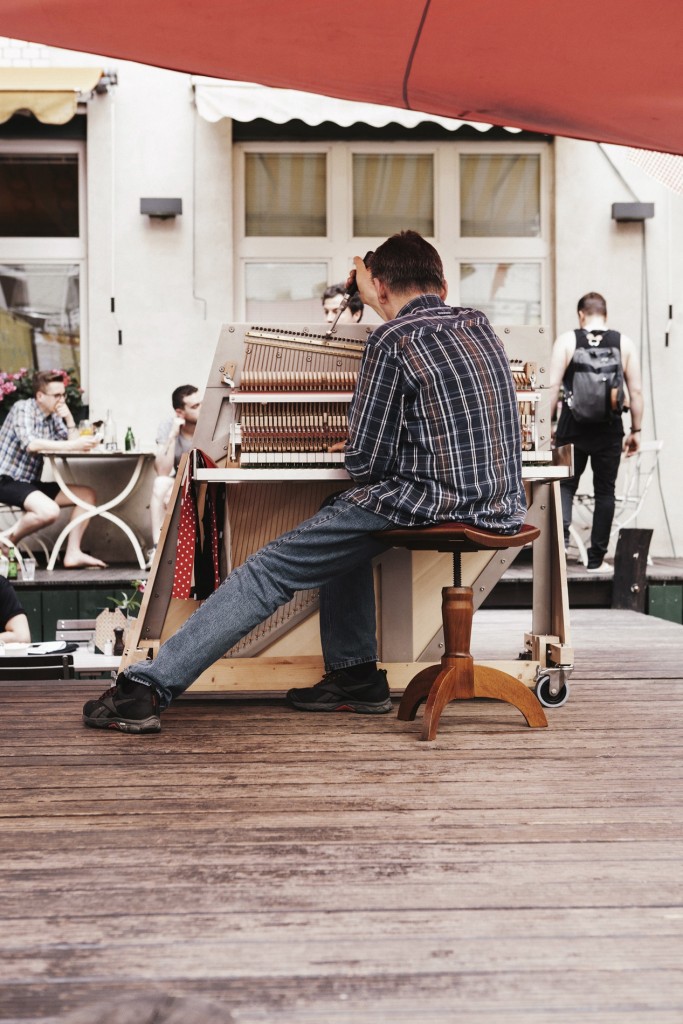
<point x="457" y="677"/>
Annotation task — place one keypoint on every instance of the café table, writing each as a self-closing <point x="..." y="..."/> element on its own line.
<point x="133" y="463"/>
<point x="16" y="657"/>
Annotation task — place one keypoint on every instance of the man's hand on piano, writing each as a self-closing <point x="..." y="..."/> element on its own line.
<point x="338" y="447"/>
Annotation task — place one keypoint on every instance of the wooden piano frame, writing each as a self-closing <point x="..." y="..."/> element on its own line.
<point x="408" y="583"/>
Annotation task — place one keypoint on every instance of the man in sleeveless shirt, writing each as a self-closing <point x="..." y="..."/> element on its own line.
<point x="602" y="443"/>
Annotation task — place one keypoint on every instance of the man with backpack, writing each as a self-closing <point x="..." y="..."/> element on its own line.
<point x="591" y="365"/>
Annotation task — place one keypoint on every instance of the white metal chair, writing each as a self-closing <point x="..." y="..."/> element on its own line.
<point x="8" y="517"/>
<point x="636" y="475"/>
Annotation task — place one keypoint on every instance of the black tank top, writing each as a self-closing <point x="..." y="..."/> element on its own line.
<point x="568" y="429"/>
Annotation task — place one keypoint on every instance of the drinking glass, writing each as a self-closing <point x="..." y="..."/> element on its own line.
<point x="28" y="569"/>
<point x="85" y="428"/>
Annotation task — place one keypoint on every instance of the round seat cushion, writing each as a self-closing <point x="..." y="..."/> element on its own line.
<point x="454" y="537"/>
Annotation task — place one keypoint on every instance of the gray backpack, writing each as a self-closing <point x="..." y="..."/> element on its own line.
<point x="595" y="393"/>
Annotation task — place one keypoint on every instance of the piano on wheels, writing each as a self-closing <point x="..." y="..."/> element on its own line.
<point x="275" y="402"/>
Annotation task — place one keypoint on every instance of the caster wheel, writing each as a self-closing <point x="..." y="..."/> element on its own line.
<point x="548" y="699"/>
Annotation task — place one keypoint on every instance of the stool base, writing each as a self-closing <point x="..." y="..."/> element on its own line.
<point x="458" y="678"/>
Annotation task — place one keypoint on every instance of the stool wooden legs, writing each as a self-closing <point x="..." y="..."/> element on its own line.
<point x="457" y="677"/>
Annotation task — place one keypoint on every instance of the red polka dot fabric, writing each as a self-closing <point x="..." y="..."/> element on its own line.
<point x="197" y="563"/>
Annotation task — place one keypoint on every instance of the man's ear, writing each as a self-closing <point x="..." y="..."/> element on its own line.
<point x="443" y="294"/>
<point x="381" y="290"/>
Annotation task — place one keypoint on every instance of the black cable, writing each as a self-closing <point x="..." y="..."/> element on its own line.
<point x="645" y="333"/>
<point x="413" y="50"/>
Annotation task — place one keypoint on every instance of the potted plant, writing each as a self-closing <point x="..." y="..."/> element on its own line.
<point x="15" y="387"/>
<point x="130" y="603"/>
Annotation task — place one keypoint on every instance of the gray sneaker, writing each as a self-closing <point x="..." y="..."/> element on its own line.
<point x="337" y="691"/>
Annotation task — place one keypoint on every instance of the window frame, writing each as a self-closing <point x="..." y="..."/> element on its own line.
<point x="339" y="246"/>
<point x="50" y="249"/>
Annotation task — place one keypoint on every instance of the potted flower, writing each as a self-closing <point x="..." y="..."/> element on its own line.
<point x="15" y="387"/>
<point x="130" y="603"/>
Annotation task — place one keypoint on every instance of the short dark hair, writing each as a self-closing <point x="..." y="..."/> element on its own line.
<point x="356" y="304"/>
<point x="593" y="304"/>
<point x="407" y="262"/>
<point x="42" y="378"/>
<point x="180" y="394"/>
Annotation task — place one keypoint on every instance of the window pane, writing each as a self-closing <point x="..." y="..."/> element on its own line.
<point x="285" y="292"/>
<point x="509" y="293"/>
<point x="40" y="316"/>
<point x="39" y="195"/>
<point x="286" y="194"/>
<point x="500" y="196"/>
<point x="392" y="192"/>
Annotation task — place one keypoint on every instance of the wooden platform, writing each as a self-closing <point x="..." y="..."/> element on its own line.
<point x="306" y="869"/>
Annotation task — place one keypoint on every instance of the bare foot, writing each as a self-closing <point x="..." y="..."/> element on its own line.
<point x="83" y="561"/>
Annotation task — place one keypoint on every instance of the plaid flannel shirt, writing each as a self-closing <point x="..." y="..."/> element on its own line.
<point x="25" y="423"/>
<point x="434" y="429"/>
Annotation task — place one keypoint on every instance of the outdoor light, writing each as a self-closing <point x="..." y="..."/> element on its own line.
<point x="632" y="211"/>
<point x="161" y="208"/>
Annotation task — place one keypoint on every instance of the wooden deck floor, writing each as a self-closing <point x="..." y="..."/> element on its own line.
<point x="309" y="869"/>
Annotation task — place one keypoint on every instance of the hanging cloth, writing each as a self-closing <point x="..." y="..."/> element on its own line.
<point x="197" y="565"/>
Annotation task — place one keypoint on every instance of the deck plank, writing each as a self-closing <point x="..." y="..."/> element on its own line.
<point x="320" y="869"/>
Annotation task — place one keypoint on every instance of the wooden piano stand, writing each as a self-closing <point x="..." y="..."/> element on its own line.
<point x="457" y="677"/>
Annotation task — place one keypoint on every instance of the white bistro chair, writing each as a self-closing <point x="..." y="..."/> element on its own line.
<point x="8" y="517"/>
<point x="636" y="475"/>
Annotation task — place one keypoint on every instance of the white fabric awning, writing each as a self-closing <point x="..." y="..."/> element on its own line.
<point x="246" y="101"/>
<point x="50" y="94"/>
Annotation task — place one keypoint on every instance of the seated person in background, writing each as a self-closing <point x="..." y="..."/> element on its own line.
<point x="175" y="436"/>
<point x="43" y="424"/>
<point x="332" y="300"/>
<point x="14" y="627"/>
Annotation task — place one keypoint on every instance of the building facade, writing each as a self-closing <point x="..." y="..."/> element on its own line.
<point x="274" y="207"/>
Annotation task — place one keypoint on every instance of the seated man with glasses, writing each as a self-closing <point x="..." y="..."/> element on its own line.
<point x="39" y="424"/>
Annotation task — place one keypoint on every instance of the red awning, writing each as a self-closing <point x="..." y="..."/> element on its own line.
<point x="593" y="69"/>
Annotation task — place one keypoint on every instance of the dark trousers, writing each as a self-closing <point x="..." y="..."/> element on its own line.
<point x="605" y="455"/>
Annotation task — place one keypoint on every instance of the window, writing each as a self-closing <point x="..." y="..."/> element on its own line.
<point x="390" y="189"/>
<point x="306" y="209"/>
<point x="40" y="314"/>
<point x="284" y="291"/>
<point x="42" y="254"/>
<point x="285" y="194"/>
<point x="39" y="195"/>
<point x="500" y="195"/>
<point x="509" y="293"/>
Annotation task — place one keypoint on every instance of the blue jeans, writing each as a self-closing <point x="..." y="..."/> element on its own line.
<point x="332" y="550"/>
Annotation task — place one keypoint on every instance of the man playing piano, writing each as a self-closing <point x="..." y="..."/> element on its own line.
<point x="434" y="436"/>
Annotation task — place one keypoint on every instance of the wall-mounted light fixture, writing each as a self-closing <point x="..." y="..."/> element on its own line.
<point x="632" y="211"/>
<point x="161" y="208"/>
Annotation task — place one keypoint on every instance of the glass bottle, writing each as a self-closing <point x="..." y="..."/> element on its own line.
<point x="130" y="440"/>
<point x="110" y="432"/>
<point x="12" y="565"/>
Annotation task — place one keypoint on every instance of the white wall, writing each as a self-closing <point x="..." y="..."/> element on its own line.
<point x="595" y="253"/>
<point x="171" y="279"/>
